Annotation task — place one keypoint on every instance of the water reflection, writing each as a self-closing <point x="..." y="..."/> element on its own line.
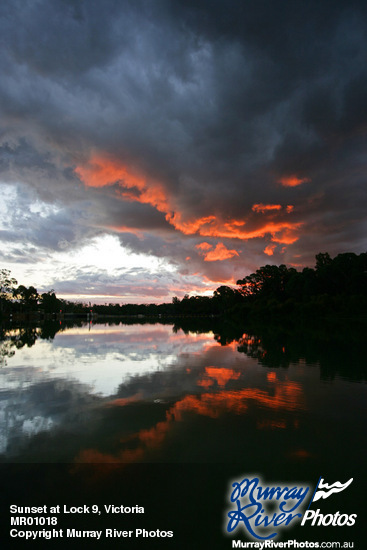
<point x="287" y="397"/>
<point x="162" y="393"/>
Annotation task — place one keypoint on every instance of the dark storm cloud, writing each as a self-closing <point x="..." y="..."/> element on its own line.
<point x="216" y="101"/>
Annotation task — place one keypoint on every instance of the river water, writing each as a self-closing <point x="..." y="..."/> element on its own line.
<point x="275" y="402"/>
<point x="151" y="392"/>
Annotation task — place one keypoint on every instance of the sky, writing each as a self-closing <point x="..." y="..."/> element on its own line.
<point x="151" y="149"/>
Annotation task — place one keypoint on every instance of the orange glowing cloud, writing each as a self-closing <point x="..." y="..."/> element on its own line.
<point x="220" y="253"/>
<point x="126" y="229"/>
<point x="190" y="227"/>
<point x="103" y="171"/>
<point x="204" y="246"/>
<point x="265" y="207"/>
<point x="288" y="235"/>
<point x="282" y="232"/>
<point x="293" y="181"/>
<point x="269" y="250"/>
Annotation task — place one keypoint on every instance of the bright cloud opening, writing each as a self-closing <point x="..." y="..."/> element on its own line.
<point x="293" y="181"/>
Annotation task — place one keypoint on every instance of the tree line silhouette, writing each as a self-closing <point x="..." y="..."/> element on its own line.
<point x="334" y="286"/>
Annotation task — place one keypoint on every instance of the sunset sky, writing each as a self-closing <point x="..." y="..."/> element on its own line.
<point x="154" y="148"/>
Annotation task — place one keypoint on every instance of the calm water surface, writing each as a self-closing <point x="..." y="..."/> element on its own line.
<point x="154" y="393"/>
